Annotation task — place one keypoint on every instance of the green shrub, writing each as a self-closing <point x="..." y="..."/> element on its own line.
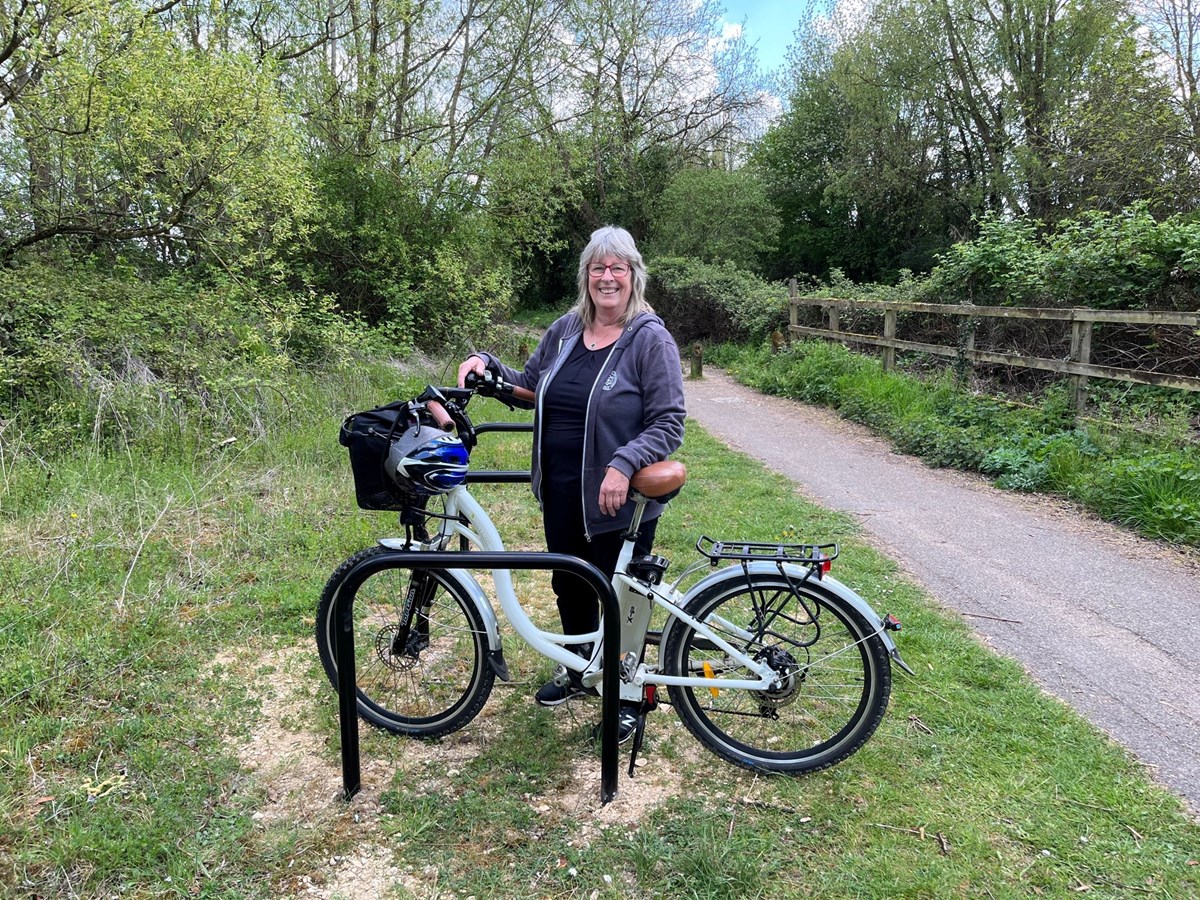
<point x="1120" y="260"/>
<point x="702" y="301"/>
<point x="1015" y="468"/>
<point x="114" y="360"/>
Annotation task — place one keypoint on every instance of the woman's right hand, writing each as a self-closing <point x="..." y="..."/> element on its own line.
<point x="472" y="363"/>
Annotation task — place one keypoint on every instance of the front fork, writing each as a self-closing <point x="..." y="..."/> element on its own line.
<point x="412" y="632"/>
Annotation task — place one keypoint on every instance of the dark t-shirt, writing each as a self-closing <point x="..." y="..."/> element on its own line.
<point x="563" y="411"/>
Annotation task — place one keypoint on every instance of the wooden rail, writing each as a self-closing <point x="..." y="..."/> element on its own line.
<point x="1077" y="366"/>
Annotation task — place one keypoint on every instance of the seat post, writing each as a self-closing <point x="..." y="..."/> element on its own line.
<point x="636" y="522"/>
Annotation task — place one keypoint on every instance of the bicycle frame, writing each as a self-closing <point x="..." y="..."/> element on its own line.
<point x="466" y="518"/>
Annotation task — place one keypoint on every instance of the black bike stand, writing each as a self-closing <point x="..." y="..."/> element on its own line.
<point x="425" y="559"/>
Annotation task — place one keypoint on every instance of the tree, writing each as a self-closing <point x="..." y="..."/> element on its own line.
<point x="119" y="132"/>
<point x="934" y="112"/>
<point x="1174" y="33"/>
<point x="715" y="216"/>
<point x="639" y="89"/>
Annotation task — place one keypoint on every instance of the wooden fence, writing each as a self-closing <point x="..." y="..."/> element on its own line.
<point x="1077" y="366"/>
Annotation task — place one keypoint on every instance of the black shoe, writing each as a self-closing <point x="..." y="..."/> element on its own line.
<point x="627" y="720"/>
<point x="563" y="687"/>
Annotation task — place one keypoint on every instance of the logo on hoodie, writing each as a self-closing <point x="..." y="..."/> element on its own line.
<point x="612" y="380"/>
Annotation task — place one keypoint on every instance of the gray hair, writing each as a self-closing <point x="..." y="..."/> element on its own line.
<point x="613" y="241"/>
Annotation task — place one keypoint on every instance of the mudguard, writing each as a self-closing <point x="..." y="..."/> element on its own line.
<point x="827" y="585"/>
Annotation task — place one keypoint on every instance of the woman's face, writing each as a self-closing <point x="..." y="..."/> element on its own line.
<point x="609" y="289"/>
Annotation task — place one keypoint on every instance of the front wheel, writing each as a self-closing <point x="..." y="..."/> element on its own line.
<point x="833" y="674"/>
<point x="420" y="647"/>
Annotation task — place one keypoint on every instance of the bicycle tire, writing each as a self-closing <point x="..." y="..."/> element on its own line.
<point x="431" y="683"/>
<point x="836" y="675"/>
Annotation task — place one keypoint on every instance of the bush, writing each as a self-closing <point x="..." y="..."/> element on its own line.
<point x="702" y="301"/>
<point x="114" y="360"/>
<point x="1123" y="260"/>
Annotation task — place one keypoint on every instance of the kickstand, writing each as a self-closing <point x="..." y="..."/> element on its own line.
<point x="649" y="702"/>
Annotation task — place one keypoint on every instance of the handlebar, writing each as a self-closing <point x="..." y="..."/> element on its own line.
<point x="446" y="407"/>
<point x="489" y="384"/>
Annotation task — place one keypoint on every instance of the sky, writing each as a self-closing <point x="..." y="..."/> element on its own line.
<point x="770" y="25"/>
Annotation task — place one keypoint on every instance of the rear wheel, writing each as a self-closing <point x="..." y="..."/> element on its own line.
<point x="420" y="647"/>
<point x="833" y="675"/>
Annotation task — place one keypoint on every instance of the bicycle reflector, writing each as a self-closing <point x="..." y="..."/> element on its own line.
<point x="824" y="563"/>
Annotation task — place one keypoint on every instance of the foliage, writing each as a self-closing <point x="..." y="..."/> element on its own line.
<point x="715" y="216"/>
<point x="1157" y="494"/>
<point x="123" y="133"/>
<point x="698" y="300"/>
<point x="1147" y="481"/>
<point x="908" y="121"/>
<point x="424" y="278"/>
<point x="1125" y="260"/>
<point x="1122" y="260"/>
<point x="111" y="360"/>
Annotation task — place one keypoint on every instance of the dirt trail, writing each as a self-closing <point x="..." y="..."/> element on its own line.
<point x="1103" y="620"/>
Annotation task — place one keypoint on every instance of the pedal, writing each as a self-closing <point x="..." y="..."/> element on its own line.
<point x="649" y="569"/>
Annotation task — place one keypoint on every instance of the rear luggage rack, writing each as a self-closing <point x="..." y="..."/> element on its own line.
<point x="819" y="555"/>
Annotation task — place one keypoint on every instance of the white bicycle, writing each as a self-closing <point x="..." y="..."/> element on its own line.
<point x="772" y="664"/>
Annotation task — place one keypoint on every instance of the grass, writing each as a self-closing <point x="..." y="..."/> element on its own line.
<point x="146" y="600"/>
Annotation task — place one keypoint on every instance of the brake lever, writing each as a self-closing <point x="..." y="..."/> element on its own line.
<point x="492" y="385"/>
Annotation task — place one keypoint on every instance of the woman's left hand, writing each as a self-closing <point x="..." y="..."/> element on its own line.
<point x="613" y="492"/>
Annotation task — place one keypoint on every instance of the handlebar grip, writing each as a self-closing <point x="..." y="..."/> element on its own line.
<point x="441" y="418"/>
<point x="491" y="385"/>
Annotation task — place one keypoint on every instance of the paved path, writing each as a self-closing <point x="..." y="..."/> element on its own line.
<point x="1105" y="621"/>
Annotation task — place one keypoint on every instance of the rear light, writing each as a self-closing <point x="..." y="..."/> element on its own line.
<point x="824" y="564"/>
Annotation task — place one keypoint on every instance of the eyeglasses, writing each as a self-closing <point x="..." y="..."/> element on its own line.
<point x="619" y="270"/>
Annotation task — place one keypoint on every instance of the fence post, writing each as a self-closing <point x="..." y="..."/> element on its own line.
<point x="697" y="361"/>
<point x="889" y="331"/>
<point x="793" y="307"/>
<point x="833" y="317"/>
<point x="1081" y="351"/>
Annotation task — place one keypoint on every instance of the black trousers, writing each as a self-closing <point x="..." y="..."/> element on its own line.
<point x="578" y="606"/>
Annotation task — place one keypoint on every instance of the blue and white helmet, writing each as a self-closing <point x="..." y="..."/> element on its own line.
<point x="427" y="461"/>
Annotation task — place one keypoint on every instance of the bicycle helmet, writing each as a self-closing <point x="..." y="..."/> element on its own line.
<point x="426" y="461"/>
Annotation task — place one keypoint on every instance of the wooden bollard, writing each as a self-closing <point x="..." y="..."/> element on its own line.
<point x="776" y="341"/>
<point x="697" y="361"/>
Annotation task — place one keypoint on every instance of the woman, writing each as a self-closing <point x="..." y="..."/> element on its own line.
<point x="609" y="402"/>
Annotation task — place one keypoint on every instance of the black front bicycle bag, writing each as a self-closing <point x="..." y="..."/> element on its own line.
<point x="368" y="436"/>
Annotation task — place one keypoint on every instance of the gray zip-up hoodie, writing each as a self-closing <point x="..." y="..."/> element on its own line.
<point x="635" y="411"/>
